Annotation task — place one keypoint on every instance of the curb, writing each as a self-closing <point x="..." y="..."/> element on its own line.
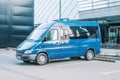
<point x="105" y="60"/>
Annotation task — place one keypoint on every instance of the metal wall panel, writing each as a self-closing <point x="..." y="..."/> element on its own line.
<point x="98" y="13"/>
<point x="16" y="21"/>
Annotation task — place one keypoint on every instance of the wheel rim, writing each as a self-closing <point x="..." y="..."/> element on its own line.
<point x="90" y="55"/>
<point x="42" y="59"/>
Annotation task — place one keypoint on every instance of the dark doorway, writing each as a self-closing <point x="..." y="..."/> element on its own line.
<point x="118" y="40"/>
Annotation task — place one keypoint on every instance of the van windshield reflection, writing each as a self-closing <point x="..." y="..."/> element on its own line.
<point x="36" y="35"/>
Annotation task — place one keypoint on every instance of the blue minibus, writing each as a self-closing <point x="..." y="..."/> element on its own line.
<point x="61" y="39"/>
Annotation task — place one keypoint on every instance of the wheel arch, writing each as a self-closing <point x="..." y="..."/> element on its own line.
<point x="45" y="53"/>
<point x="90" y="54"/>
<point x="92" y="50"/>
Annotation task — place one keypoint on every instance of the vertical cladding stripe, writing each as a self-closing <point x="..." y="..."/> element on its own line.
<point x="43" y="12"/>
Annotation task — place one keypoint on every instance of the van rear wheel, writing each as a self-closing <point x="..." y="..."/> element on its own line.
<point x="41" y="59"/>
<point x="90" y="55"/>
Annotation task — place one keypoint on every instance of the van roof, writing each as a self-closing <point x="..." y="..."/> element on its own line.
<point x="79" y="23"/>
<point x="69" y="23"/>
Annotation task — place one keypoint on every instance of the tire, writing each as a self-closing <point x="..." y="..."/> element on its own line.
<point x="41" y="59"/>
<point x="90" y="55"/>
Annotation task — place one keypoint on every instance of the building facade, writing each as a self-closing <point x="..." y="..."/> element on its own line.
<point x="107" y="13"/>
<point x="16" y="21"/>
<point x="47" y="10"/>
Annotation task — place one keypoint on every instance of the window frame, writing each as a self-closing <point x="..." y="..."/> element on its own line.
<point x="51" y="39"/>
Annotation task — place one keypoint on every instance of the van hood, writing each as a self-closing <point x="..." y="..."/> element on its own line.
<point x="27" y="45"/>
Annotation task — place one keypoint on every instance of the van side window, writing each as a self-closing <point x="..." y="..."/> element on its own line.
<point x="52" y="35"/>
<point x="93" y="32"/>
<point x="83" y="32"/>
<point x="64" y="34"/>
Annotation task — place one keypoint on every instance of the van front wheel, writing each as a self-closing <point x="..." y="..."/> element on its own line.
<point x="90" y="55"/>
<point x="41" y="59"/>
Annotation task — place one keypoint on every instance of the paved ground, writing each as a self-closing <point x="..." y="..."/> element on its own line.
<point x="110" y="51"/>
<point x="13" y="69"/>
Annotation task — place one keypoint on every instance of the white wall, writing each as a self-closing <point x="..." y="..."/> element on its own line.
<point x="47" y="10"/>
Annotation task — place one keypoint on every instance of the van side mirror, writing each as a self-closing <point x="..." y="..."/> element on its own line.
<point x="45" y="39"/>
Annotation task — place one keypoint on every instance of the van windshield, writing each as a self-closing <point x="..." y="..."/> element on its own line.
<point x="36" y="34"/>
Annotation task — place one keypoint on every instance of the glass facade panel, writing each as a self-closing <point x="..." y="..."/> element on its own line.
<point x="81" y="2"/>
<point x="85" y="8"/>
<point x="95" y="4"/>
<point x="114" y="4"/>
<point x="114" y="0"/>
<point x="104" y="10"/>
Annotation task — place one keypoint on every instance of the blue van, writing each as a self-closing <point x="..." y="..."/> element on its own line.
<point x="61" y="39"/>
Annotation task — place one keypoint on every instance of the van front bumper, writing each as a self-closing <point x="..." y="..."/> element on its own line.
<point x="27" y="57"/>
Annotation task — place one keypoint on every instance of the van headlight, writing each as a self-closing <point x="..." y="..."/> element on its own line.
<point x="28" y="51"/>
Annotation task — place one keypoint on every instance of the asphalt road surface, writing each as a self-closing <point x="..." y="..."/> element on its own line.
<point x="13" y="69"/>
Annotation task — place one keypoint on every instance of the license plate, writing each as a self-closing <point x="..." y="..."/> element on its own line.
<point x="18" y="57"/>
